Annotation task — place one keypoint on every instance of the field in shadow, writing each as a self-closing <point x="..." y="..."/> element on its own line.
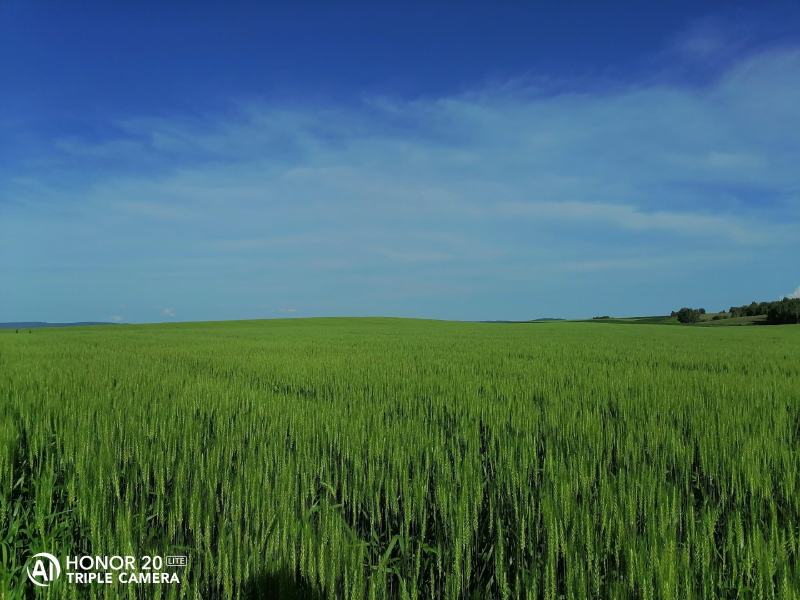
<point x="281" y="585"/>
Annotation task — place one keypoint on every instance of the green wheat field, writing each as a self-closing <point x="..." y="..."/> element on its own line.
<point x="408" y="459"/>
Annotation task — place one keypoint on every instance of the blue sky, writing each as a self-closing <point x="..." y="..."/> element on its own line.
<point x="183" y="161"/>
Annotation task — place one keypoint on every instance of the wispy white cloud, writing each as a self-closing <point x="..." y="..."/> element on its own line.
<point x="795" y="294"/>
<point x="631" y="218"/>
<point x="454" y="190"/>
<point x="712" y="39"/>
<point x="168" y="312"/>
<point x="412" y="256"/>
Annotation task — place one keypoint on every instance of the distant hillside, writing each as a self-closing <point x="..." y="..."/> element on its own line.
<point x="650" y="320"/>
<point x="38" y="324"/>
<point x="720" y="319"/>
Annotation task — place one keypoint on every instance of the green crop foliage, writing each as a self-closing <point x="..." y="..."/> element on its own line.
<point x="393" y="459"/>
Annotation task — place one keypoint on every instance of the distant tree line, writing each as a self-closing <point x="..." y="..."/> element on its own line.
<point x="754" y="309"/>
<point x="688" y="315"/>
<point x="778" y="312"/>
<point x="784" y="311"/>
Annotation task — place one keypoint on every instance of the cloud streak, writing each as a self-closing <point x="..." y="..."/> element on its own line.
<point x="629" y="217"/>
<point x="460" y="189"/>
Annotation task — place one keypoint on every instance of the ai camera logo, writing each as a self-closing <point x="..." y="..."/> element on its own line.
<point x="46" y="569"/>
